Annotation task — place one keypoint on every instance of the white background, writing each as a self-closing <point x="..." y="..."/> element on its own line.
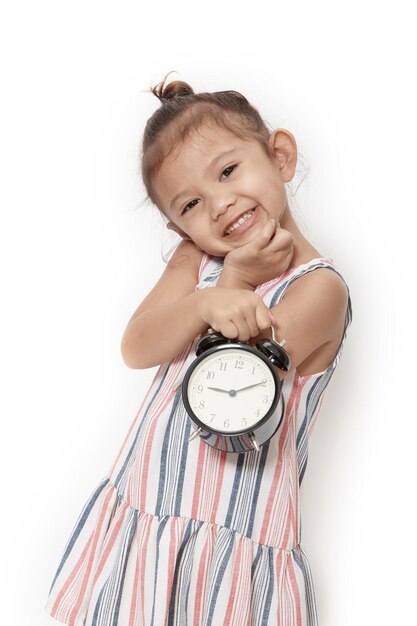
<point x="79" y="252"/>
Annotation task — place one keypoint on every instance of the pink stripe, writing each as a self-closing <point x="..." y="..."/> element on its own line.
<point x="280" y="565"/>
<point x="94" y="539"/>
<point x="144" y="552"/>
<point x="97" y="533"/>
<point x="134" y="599"/>
<point x="275" y="480"/>
<point x="294" y="397"/>
<point x="219" y="483"/>
<point x="110" y="541"/>
<point x="203" y="264"/>
<point x="56" y="606"/>
<point x="145" y="459"/>
<point x="172" y="557"/>
<point x="296" y="592"/>
<point x="235" y="579"/>
<point x="198" y="479"/>
<point x="147" y="395"/>
<point x="201" y="580"/>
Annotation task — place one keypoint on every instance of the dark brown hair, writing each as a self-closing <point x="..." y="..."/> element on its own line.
<point x="183" y="111"/>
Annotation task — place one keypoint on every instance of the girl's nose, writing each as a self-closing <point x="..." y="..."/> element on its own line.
<point x="221" y="205"/>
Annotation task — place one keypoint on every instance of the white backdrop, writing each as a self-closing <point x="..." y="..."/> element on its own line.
<point x="79" y="253"/>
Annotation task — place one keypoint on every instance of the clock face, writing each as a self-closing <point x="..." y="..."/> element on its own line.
<point x="231" y="390"/>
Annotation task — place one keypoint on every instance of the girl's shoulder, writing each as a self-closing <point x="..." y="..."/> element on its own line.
<point x="186" y="257"/>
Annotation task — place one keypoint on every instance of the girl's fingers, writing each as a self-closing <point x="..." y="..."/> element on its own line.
<point x="236" y="329"/>
<point x="282" y="239"/>
<point x="267" y="233"/>
<point x="264" y="317"/>
<point x="245" y="330"/>
<point x="252" y="325"/>
<point x="228" y="329"/>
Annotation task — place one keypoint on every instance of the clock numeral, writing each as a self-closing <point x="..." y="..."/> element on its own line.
<point x="212" y="415"/>
<point x="210" y="375"/>
<point x="244" y="421"/>
<point x="226" y="423"/>
<point x="258" y="413"/>
<point x="223" y="366"/>
<point x="200" y="388"/>
<point x="265" y="399"/>
<point x="253" y="369"/>
<point x="201" y="404"/>
<point x="264" y="381"/>
<point x="239" y="365"/>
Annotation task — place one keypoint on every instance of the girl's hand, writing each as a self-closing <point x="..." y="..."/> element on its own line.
<point x="263" y="258"/>
<point x="236" y="313"/>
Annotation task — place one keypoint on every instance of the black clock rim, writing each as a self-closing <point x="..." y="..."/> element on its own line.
<point x="230" y="346"/>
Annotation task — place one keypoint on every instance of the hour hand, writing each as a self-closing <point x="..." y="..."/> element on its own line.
<point x="217" y="389"/>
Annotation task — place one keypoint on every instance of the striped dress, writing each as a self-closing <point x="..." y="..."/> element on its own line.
<point x="181" y="534"/>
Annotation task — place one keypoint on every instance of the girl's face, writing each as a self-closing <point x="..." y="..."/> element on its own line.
<point x="219" y="190"/>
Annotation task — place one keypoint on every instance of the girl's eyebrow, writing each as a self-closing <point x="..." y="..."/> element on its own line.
<point x="214" y="161"/>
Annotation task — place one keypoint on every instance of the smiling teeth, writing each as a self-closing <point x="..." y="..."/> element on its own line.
<point x="240" y="221"/>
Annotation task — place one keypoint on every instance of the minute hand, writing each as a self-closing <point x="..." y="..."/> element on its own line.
<point x="249" y="387"/>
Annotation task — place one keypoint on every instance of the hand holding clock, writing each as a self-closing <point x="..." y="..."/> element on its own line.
<point x="235" y="313"/>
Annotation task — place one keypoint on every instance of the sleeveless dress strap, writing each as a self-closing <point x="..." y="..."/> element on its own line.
<point x="209" y="271"/>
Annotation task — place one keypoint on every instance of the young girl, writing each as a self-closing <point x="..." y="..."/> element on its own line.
<point x="178" y="532"/>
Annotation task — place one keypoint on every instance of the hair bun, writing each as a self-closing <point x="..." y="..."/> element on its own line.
<point x="172" y="90"/>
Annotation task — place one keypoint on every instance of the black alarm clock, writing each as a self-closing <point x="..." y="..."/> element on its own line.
<point x="232" y="391"/>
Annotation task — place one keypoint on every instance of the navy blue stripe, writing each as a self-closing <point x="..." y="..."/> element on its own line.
<point x="180" y="470"/>
<point x="79" y="526"/>
<point x="173" y="610"/>
<point x="178" y="421"/>
<point x="302" y="562"/>
<point x="107" y="608"/>
<point x="235" y="490"/>
<point x="229" y="538"/>
<point x="255" y="496"/>
<point x="270" y="589"/>
<point x="278" y="295"/>
<point x="125" y="561"/>
<point x="131" y="454"/>
<point x="161" y="527"/>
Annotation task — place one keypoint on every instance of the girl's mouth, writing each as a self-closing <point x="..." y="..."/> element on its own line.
<point x="242" y="224"/>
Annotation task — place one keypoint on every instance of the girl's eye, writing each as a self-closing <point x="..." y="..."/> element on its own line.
<point x="190" y="204"/>
<point x="187" y="206"/>
<point x="231" y="167"/>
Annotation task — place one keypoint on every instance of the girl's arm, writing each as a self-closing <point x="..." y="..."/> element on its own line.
<point x="174" y="313"/>
<point x="165" y="321"/>
<point x="311" y="318"/>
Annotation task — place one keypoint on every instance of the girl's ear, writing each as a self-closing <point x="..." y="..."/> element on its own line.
<point x="284" y="148"/>
<point x="177" y="229"/>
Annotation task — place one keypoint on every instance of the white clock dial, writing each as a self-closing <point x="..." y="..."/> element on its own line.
<point x="231" y="390"/>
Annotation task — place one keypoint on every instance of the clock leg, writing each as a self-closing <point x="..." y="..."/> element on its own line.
<point x="195" y="434"/>
<point x="254" y="442"/>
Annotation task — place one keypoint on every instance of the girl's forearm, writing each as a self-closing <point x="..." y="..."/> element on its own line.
<point x="160" y="334"/>
<point x="227" y="280"/>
